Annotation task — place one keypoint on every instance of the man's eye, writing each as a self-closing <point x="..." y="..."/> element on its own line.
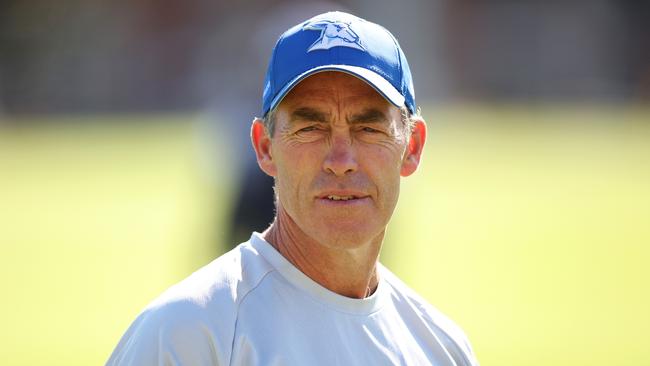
<point x="307" y="129"/>
<point x="370" y="129"/>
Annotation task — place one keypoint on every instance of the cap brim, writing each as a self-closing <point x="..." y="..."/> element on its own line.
<point x="381" y="85"/>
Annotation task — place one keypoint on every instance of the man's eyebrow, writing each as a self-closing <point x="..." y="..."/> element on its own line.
<point x="309" y="114"/>
<point x="370" y="115"/>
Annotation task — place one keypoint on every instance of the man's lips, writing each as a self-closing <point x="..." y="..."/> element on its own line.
<point x="338" y="196"/>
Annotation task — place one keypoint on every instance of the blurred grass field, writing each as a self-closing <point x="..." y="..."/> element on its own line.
<point x="529" y="226"/>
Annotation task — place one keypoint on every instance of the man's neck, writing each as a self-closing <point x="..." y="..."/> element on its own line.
<point x="350" y="272"/>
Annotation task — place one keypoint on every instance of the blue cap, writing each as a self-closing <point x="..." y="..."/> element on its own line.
<point x="338" y="41"/>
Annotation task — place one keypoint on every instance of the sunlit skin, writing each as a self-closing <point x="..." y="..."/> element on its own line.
<point x="336" y="137"/>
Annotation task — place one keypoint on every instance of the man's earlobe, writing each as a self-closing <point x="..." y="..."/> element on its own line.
<point x="262" y="146"/>
<point x="414" y="149"/>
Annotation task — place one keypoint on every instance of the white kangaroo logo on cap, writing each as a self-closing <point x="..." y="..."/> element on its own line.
<point x="333" y="34"/>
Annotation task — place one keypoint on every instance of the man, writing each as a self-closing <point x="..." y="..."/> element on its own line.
<point x="340" y="128"/>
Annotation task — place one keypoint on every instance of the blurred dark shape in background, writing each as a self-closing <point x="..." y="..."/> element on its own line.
<point x="93" y="56"/>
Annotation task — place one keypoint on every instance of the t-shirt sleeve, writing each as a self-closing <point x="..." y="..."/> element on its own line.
<point x="174" y="334"/>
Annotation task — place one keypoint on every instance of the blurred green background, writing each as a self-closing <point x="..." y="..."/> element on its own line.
<point x="528" y="225"/>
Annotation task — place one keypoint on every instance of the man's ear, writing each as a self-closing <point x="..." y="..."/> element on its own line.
<point x="414" y="149"/>
<point x="262" y="145"/>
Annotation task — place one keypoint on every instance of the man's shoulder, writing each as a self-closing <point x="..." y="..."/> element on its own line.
<point x="222" y="283"/>
<point x="197" y="316"/>
<point x="450" y="333"/>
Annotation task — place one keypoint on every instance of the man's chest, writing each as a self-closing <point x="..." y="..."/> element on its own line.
<point x="295" y="336"/>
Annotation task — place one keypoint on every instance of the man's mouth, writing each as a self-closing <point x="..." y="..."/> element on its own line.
<point x="341" y="196"/>
<point x="334" y="197"/>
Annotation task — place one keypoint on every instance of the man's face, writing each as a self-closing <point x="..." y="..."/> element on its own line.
<point x="337" y="153"/>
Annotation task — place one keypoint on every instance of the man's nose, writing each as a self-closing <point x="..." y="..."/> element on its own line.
<point x="341" y="157"/>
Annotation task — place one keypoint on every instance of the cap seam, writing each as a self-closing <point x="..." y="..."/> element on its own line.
<point x="272" y="72"/>
<point x="401" y="71"/>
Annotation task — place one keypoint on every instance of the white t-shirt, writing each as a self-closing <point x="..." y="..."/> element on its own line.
<point x="251" y="306"/>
